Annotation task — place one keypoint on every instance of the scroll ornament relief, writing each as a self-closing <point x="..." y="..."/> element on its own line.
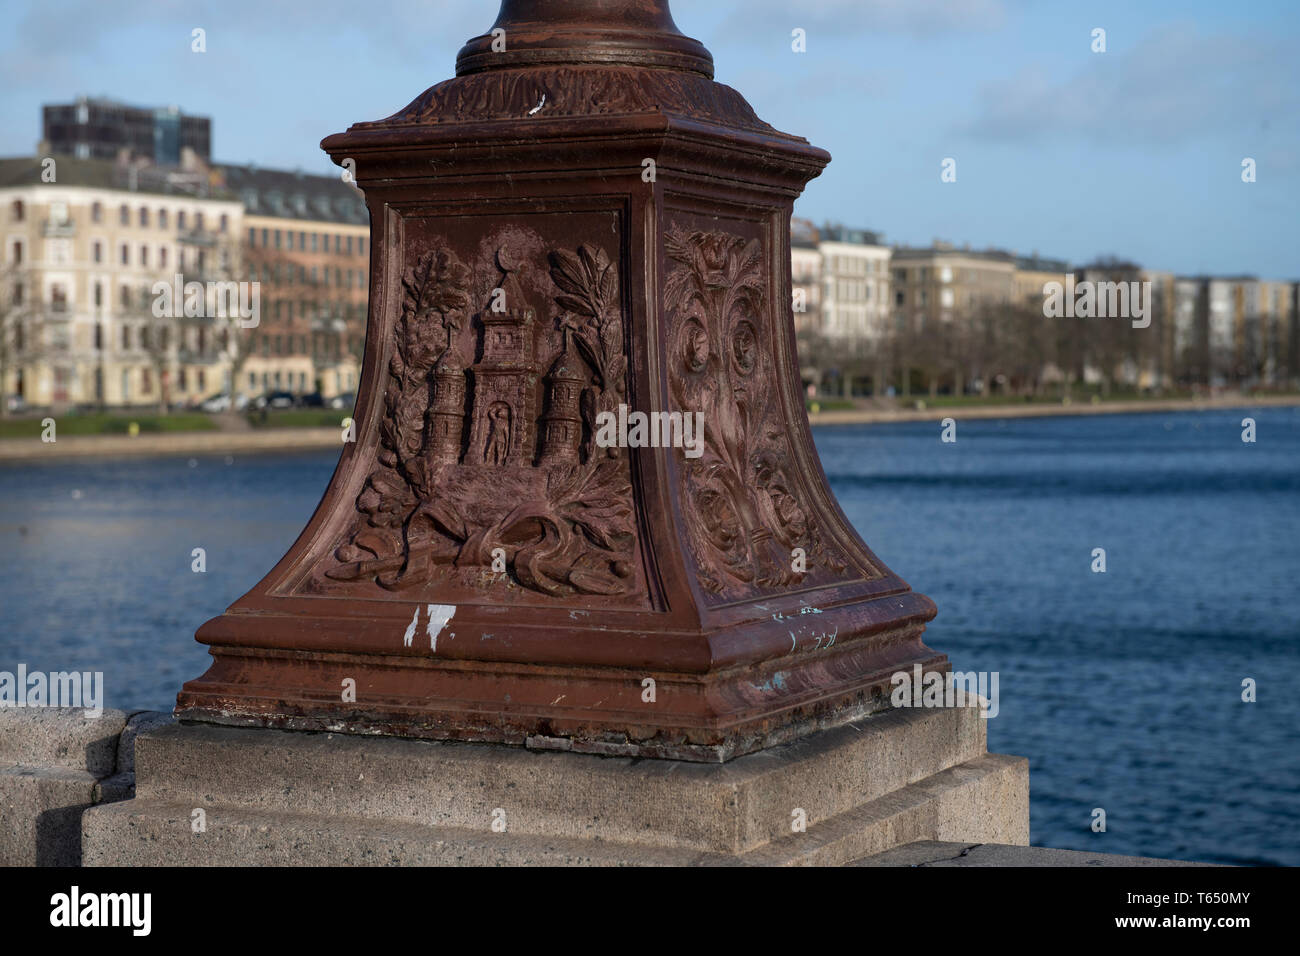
<point x="742" y="508"/>
<point x="577" y="91"/>
<point x="489" y="470"/>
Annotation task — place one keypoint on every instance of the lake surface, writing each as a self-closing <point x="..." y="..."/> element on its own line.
<point x="1122" y="688"/>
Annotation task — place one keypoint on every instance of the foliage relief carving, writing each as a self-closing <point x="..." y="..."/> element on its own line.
<point x="742" y="507"/>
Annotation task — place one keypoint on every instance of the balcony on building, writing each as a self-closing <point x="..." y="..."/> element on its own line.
<point x="58" y="228"/>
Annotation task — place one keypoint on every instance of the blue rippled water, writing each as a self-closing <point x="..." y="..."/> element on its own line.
<point x="1123" y="689"/>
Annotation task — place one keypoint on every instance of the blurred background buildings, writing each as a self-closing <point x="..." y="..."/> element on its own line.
<point x="118" y="198"/>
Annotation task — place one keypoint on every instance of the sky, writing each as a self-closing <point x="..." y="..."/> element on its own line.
<point x="1134" y="152"/>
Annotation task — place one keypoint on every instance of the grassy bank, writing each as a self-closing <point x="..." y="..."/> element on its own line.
<point x="1092" y="398"/>
<point x="119" y="423"/>
<point x="906" y="403"/>
<point x="300" y="418"/>
<point x="107" y="423"/>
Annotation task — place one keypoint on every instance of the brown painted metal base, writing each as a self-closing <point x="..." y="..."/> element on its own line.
<point x="580" y="229"/>
<point x="699" y="717"/>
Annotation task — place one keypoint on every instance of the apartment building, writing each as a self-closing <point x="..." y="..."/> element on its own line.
<point x="805" y="275"/>
<point x="1237" y="330"/>
<point x="307" y="244"/>
<point x="855" y="284"/>
<point x="84" y="243"/>
<point x="1280" y="359"/>
<point x="93" y="128"/>
<point x="1031" y="275"/>
<point x="937" y="284"/>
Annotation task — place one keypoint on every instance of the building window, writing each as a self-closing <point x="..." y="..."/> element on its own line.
<point x="18" y="252"/>
<point x="277" y="238"/>
<point x="349" y="245"/>
<point x="96" y="212"/>
<point x="126" y="338"/>
<point x="252" y="237"/>
<point x="162" y="218"/>
<point x="18" y="297"/>
<point x="124" y="298"/>
<point x="162" y="257"/>
<point x="99" y="333"/>
<point x="146" y="381"/>
<point x="314" y="238"/>
<point x="124" y="215"/>
<point x="264" y="234"/>
<point x="99" y="301"/>
<point x="180" y="221"/>
<point x="125" y="254"/>
<point x="97" y="251"/>
<point x="224" y="223"/>
<point x="361" y="246"/>
<point x="144" y="217"/>
<point x="19" y="210"/>
<point x="302" y="241"/>
<point x="144" y="256"/>
<point x="338" y="244"/>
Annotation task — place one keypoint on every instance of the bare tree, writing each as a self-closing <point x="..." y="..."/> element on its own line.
<point x="21" y="328"/>
<point x="158" y="342"/>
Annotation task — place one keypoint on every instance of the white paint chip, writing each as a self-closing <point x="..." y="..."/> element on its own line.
<point x="439" y="615"/>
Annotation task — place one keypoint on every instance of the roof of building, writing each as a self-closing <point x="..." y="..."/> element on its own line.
<point x="803" y="233"/>
<point x="1037" y="263"/>
<point x="109" y="103"/>
<point x="947" y="249"/>
<point x="833" y="232"/>
<point x="264" y="192"/>
<point x="1110" y="264"/>
<point x="109" y="174"/>
<point x="290" y="194"/>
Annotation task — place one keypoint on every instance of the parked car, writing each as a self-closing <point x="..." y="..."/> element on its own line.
<point x="17" y="403"/>
<point x="343" y="400"/>
<point x="274" y="400"/>
<point x="220" y="402"/>
<point x="313" y="400"/>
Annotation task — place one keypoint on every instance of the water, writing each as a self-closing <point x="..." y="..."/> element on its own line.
<point x="1123" y="689"/>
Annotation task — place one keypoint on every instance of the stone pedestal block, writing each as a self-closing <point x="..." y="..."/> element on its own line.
<point x="275" y="797"/>
<point x="54" y="763"/>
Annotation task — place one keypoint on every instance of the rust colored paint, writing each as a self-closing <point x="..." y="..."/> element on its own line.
<point x="581" y="227"/>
